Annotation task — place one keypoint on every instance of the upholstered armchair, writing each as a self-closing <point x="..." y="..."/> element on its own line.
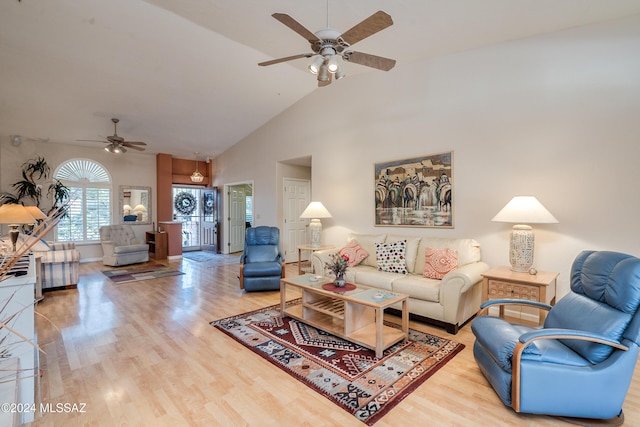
<point x="120" y="246"/>
<point x="580" y="363"/>
<point x="261" y="263"/>
<point x="59" y="262"/>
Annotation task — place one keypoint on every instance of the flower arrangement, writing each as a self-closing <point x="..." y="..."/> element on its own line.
<point x="338" y="266"/>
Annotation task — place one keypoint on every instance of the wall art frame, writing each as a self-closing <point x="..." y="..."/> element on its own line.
<point x="415" y="192"/>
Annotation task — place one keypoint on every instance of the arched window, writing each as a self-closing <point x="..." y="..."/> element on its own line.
<point x="90" y="200"/>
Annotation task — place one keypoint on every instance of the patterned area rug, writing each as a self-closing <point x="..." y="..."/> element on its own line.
<point x="138" y="272"/>
<point x="345" y="373"/>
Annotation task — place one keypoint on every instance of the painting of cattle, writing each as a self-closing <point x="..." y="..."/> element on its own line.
<point x="415" y="192"/>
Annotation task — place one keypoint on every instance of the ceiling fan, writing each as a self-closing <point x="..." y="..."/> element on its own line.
<point x="117" y="143"/>
<point x="329" y="44"/>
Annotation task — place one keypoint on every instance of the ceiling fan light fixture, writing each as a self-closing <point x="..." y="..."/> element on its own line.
<point x="314" y="67"/>
<point x="323" y="74"/>
<point x="339" y="73"/>
<point x="332" y="64"/>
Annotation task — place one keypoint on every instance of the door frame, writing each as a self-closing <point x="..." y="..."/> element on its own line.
<point x="225" y="211"/>
<point x="291" y="253"/>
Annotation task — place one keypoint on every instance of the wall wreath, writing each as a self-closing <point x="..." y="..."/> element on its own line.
<point x="185" y="203"/>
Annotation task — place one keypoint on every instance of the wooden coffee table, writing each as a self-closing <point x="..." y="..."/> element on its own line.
<point x="355" y="315"/>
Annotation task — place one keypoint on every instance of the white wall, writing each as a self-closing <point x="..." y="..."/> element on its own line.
<point x="557" y="117"/>
<point x="137" y="169"/>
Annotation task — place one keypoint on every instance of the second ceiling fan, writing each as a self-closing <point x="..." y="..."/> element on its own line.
<point x="117" y="143"/>
<point x="329" y="44"/>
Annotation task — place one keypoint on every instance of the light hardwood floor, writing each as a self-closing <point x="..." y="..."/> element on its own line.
<point x="144" y="354"/>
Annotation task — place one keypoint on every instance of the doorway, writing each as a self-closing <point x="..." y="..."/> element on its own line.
<point x="294" y="230"/>
<point x="196" y="209"/>
<point x="239" y="214"/>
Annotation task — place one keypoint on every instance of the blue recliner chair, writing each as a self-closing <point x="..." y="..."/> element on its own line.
<point x="580" y="363"/>
<point x="262" y="263"/>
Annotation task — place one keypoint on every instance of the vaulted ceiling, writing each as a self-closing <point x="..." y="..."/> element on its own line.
<point x="183" y="75"/>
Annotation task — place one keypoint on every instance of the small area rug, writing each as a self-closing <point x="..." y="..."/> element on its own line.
<point x="345" y="373"/>
<point x="200" y="256"/>
<point x="138" y="272"/>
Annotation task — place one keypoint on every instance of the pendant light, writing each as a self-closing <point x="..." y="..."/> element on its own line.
<point x="196" y="176"/>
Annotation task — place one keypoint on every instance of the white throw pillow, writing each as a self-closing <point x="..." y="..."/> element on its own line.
<point x="390" y="257"/>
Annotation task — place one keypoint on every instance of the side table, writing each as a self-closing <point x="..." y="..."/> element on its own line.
<point x="157" y="242"/>
<point x="301" y="267"/>
<point x="502" y="282"/>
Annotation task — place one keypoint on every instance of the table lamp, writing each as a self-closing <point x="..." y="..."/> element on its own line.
<point x="15" y="215"/>
<point x="315" y="211"/>
<point x="139" y="210"/>
<point x="523" y="210"/>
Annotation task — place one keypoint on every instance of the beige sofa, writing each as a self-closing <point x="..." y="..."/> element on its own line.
<point x="449" y="302"/>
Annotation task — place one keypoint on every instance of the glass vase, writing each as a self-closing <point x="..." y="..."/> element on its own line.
<point x="339" y="281"/>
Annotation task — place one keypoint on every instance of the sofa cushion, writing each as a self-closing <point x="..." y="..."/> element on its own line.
<point x="354" y="252"/>
<point x="438" y="262"/>
<point x="131" y="248"/>
<point x="390" y="257"/>
<point x="418" y="287"/>
<point x="468" y="250"/>
<point x="411" y="251"/>
<point x="368" y="276"/>
<point x="368" y="243"/>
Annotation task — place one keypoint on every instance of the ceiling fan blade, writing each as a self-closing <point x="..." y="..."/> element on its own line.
<point x="288" y="58"/>
<point x="92" y="140"/>
<point x="134" y="142"/>
<point x="134" y="147"/>
<point x="371" y="25"/>
<point x="384" y="64"/>
<point x="296" y="26"/>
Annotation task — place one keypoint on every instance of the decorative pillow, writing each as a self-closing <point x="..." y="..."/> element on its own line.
<point x="438" y="262"/>
<point x="390" y="257"/>
<point x="355" y="253"/>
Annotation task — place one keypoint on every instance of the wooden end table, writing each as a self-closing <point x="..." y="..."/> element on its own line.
<point x="355" y="315"/>
<point x="301" y="267"/>
<point x="502" y="282"/>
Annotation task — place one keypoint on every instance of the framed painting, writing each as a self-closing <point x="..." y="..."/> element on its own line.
<point x="415" y="192"/>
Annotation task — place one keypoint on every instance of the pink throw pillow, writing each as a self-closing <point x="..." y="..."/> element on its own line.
<point x="355" y="253"/>
<point x="438" y="262"/>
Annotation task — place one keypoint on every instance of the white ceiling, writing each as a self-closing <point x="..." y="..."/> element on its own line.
<point x="182" y="75"/>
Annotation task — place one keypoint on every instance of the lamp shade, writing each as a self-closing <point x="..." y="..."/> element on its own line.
<point x="315" y="210"/>
<point x="139" y="208"/>
<point x="36" y="212"/>
<point x="15" y="214"/>
<point x="525" y="210"/>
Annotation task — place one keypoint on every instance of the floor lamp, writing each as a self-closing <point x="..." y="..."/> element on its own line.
<point x="15" y="215"/>
<point x="315" y="211"/>
<point x="523" y="210"/>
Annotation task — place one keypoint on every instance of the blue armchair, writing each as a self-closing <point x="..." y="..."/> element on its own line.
<point x="261" y="263"/>
<point x="580" y="363"/>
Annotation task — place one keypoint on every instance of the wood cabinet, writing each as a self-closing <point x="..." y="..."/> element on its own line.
<point x="503" y="283"/>
<point x="157" y="242"/>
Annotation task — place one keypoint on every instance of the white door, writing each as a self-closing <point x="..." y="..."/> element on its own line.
<point x="237" y="218"/>
<point x="296" y="199"/>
